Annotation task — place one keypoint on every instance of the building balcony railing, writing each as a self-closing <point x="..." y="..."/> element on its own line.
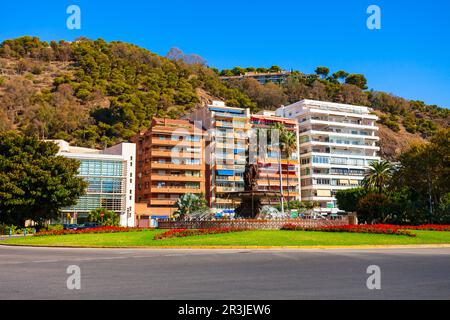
<point x="348" y="124"/>
<point x="338" y="134"/>
<point x="229" y="189"/>
<point x="177" y="154"/>
<point x="183" y="178"/>
<point x="167" y="142"/>
<point x="181" y="190"/>
<point x="158" y="165"/>
<point x="162" y="202"/>
<point x="276" y="183"/>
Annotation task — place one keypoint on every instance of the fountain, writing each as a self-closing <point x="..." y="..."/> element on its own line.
<point x="251" y="198"/>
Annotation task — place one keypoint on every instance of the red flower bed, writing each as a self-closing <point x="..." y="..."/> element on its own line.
<point x="428" y="227"/>
<point x="181" y="233"/>
<point x="88" y="231"/>
<point x="372" y="229"/>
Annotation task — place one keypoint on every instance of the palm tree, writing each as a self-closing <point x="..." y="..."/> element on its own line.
<point x="378" y="176"/>
<point x="281" y="129"/>
<point x="288" y="145"/>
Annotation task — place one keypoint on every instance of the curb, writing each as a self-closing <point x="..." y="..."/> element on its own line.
<point x="259" y="248"/>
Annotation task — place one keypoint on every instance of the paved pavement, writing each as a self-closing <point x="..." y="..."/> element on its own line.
<point x="40" y="273"/>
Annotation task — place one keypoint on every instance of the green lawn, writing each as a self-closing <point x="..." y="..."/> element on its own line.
<point x="248" y="238"/>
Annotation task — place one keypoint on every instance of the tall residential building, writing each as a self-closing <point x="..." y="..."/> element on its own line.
<point x="110" y="174"/>
<point x="227" y="129"/>
<point x="171" y="163"/>
<point x="269" y="159"/>
<point x="337" y="144"/>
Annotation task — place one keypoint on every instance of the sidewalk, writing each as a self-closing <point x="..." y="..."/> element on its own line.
<point x="5" y="237"/>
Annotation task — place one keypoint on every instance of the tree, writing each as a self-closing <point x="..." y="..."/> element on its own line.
<point x="340" y="75"/>
<point x="191" y="206"/>
<point x="288" y="145"/>
<point x="348" y="199"/>
<point x="322" y="71"/>
<point x="104" y="217"/>
<point x="237" y="71"/>
<point x="274" y="69"/>
<point x="358" y="80"/>
<point x="374" y="208"/>
<point x="35" y="183"/>
<point x="288" y="140"/>
<point x="424" y="170"/>
<point x="351" y="94"/>
<point x="378" y="176"/>
<point x="268" y="96"/>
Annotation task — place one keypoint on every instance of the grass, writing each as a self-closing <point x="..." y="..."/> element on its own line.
<point x="248" y="238"/>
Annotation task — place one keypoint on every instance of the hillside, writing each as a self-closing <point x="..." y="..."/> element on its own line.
<point x="94" y="93"/>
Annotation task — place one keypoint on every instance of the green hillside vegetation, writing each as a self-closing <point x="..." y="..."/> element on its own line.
<point x="94" y="93"/>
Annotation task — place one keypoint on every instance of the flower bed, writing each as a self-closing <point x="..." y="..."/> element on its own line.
<point x="182" y="233"/>
<point x="428" y="227"/>
<point x="88" y="231"/>
<point x="372" y="229"/>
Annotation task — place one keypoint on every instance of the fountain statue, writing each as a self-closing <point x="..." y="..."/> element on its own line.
<point x="251" y="198"/>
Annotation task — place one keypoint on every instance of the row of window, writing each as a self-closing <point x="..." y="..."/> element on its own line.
<point x="101" y="168"/>
<point x="333" y="171"/>
<point x="105" y="185"/>
<point x="91" y="202"/>
<point x="175" y="137"/>
<point x="332" y="182"/>
<point x="334" y="160"/>
<point x="179" y="161"/>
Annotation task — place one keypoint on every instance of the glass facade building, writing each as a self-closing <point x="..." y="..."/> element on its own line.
<point x="106" y="186"/>
<point x="110" y="176"/>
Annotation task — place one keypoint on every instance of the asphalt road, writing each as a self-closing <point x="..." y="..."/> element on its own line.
<point x="40" y="273"/>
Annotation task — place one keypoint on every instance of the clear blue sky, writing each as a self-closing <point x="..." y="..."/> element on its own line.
<point x="409" y="56"/>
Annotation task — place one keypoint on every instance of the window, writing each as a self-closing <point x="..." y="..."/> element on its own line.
<point x="323" y="193"/>
<point x="322" y="181"/>
<point x="317" y="159"/>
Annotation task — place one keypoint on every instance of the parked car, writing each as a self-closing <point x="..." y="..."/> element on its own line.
<point x="90" y="225"/>
<point x="71" y="227"/>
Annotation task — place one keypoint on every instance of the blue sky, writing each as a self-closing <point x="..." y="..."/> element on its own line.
<point x="409" y="56"/>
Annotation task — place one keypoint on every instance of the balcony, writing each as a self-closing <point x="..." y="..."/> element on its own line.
<point x="182" y="178"/>
<point x="176" y="154"/>
<point x="283" y="161"/>
<point x="167" y="142"/>
<point x="229" y="189"/>
<point x="338" y="134"/>
<point x="176" y="190"/>
<point x="157" y="165"/>
<point x="162" y="202"/>
<point x="324" y="109"/>
<point x="341" y="144"/>
<point x="344" y="124"/>
<point x="223" y="201"/>
<point x="276" y="183"/>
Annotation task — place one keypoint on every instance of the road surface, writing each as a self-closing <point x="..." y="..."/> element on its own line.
<point x="41" y="273"/>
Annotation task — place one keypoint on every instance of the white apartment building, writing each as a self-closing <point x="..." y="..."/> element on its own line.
<point x="110" y="174"/>
<point x="337" y="144"/>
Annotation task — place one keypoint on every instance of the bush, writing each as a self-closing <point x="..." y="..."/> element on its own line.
<point x="182" y="233"/>
<point x="88" y="231"/>
<point x="372" y="229"/>
<point x="374" y="208"/>
<point x="104" y="217"/>
<point x="55" y="227"/>
<point x="14" y="230"/>
<point x="348" y="200"/>
<point x="36" y="70"/>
